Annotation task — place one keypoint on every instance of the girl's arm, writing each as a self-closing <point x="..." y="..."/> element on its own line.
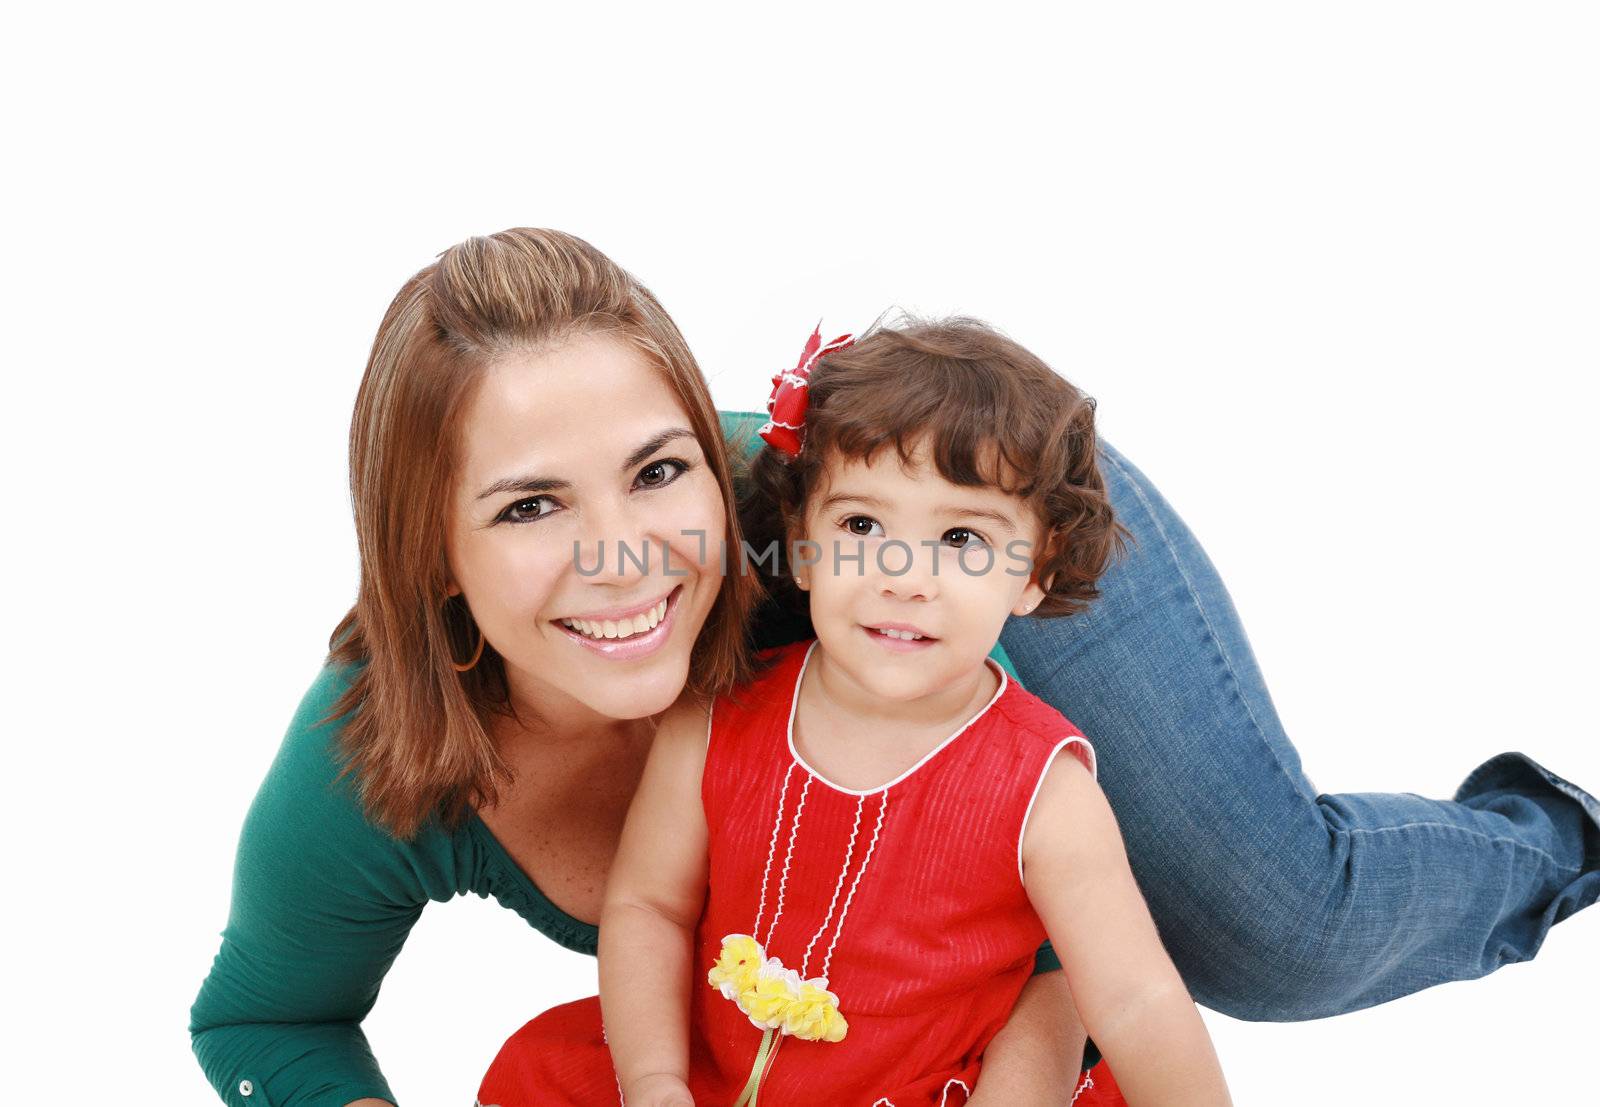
<point x="1133" y="1001"/>
<point x="654" y="896"/>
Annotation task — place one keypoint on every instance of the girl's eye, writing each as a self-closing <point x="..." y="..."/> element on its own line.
<point x="525" y="511"/>
<point x="968" y="537"/>
<point x="661" y="467"/>
<point x="863" y="526"/>
<point x="850" y="524"/>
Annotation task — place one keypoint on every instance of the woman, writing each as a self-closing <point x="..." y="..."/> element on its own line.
<point x="525" y="402"/>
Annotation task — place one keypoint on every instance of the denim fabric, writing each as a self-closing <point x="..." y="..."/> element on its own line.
<point x="1278" y="903"/>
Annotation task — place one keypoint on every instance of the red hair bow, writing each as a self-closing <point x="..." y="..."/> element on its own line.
<point x="785" y="428"/>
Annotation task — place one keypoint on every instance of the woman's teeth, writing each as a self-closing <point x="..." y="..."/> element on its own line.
<point x="903" y="635"/>
<point x="625" y="628"/>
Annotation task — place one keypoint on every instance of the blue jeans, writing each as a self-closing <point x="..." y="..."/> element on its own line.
<point x="1277" y="903"/>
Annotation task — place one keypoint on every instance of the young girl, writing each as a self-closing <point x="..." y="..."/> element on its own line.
<point x="831" y="885"/>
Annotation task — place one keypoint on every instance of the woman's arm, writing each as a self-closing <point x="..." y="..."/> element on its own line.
<point x="1038" y="1051"/>
<point x="299" y="968"/>
<point x="654" y="896"/>
<point x="322" y="902"/>
<point x="1131" y="997"/>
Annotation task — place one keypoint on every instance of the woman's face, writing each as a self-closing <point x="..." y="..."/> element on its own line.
<point x="586" y="530"/>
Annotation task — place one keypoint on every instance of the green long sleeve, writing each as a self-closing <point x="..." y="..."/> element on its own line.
<point x="322" y="902"/>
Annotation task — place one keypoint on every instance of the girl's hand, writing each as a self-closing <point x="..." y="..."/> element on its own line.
<point x="659" y="1089"/>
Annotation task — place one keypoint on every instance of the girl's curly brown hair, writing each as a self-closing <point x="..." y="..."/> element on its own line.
<point x="977" y="396"/>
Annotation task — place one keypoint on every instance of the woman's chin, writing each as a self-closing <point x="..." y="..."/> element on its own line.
<point x="643" y="693"/>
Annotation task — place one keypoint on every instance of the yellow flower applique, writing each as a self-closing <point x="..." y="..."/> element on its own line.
<point x="735" y="970"/>
<point x="815" y="1015"/>
<point x="774" y="997"/>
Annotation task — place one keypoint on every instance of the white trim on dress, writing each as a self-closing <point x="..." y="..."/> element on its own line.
<point x="1094" y="771"/>
<point x="794" y="703"/>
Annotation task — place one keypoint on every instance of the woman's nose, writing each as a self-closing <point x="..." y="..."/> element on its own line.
<point x="615" y="543"/>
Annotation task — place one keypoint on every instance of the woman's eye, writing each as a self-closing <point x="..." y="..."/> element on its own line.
<point x="966" y="538"/>
<point x="851" y="525"/>
<point x="658" y="474"/>
<point x="525" y="511"/>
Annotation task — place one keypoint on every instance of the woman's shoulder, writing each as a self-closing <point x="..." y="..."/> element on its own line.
<point x="308" y="801"/>
<point x="309" y="754"/>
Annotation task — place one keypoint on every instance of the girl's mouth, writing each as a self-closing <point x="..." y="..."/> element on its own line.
<point x="899" y="641"/>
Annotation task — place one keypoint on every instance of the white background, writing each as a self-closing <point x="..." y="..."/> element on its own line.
<point x="1329" y="270"/>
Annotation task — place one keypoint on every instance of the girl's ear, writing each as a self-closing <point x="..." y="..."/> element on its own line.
<point x="1030" y="598"/>
<point x="1036" y="591"/>
<point x="799" y="575"/>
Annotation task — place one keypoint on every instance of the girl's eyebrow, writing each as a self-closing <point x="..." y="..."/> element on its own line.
<point x="945" y="509"/>
<point x="984" y="513"/>
<point x="535" y="484"/>
<point x="849" y="497"/>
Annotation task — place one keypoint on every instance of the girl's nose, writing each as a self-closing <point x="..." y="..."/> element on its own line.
<point x="908" y="576"/>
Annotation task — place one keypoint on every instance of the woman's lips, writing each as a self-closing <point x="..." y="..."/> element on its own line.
<point x="634" y="646"/>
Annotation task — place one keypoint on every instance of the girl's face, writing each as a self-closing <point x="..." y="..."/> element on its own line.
<point x="586" y="530"/>
<point x="903" y="548"/>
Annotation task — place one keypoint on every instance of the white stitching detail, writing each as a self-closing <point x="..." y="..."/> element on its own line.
<point x="849" y="855"/>
<point x="1049" y="761"/>
<point x="777" y="824"/>
<point x="885" y="1101"/>
<point x="783" y="881"/>
<point x="882" y="808"/>
<point x="1088" y="1082"/>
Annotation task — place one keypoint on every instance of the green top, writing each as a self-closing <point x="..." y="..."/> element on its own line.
<point x="323" y="901"/>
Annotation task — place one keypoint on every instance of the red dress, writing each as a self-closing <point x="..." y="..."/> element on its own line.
<point x="907" y="897"/>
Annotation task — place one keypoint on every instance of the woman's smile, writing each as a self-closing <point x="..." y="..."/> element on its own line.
<point x="631" y="634"/>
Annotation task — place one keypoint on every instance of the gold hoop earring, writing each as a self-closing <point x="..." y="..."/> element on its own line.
<point x="476" y="654"/>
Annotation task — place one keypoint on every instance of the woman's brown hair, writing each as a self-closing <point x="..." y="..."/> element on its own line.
<point x="994" y="415"/>
<point x="416" y="736"/>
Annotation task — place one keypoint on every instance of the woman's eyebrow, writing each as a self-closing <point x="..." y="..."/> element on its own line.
<point x="652" y="444"/>
<point x="533" y="485"/>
